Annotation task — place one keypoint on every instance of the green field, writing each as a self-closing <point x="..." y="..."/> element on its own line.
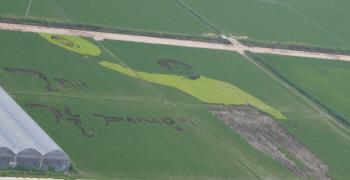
<point x="156" y="151"/>
<point x="154" y="15"/>
<point x="321" y="23"/>
<point x="265" y="20"/>
<point x="331" y="15"/>
<point x="324" y="80"/>
<point x="39" y="9"/>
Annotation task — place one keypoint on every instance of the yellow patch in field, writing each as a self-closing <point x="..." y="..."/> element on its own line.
<point x="205" y="89"/>
<point x="73" y="43"/>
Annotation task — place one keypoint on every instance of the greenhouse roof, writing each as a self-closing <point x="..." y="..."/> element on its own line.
<point x="20" y="134"/>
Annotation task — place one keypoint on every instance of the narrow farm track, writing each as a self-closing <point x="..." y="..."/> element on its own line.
<point x="235" y="46"/>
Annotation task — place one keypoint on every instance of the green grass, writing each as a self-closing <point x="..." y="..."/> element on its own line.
<point x="127" y="150"/>
<point x="264" y="21"/>
<point x="39" y="9"/>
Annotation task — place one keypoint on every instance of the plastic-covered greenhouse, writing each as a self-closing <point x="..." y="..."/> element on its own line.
<point x="23" y="142"/>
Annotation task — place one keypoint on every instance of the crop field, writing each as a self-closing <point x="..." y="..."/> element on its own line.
<point x="331" y="15"/>
<point x="267" y="20"/>
<point x="326" y="81"/>
<point x="141" y="129"/>
<point x="153" y="15"/>
<point x="39" y="9"/>
<point x="320" y="23"/>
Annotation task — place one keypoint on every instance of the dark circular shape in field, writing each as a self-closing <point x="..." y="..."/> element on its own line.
<point x="64" y="41"/>
<point x="179" y="67"/>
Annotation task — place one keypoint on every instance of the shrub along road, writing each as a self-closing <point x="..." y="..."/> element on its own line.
<point x="235" y="46"/>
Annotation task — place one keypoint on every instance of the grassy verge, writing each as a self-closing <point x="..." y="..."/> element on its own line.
<point x="323" y="106"/>
<point x="93" y="27"/>
<point x="295" y="46"/>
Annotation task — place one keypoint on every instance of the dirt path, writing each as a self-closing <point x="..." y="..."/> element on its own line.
<point x="235" y="46"/>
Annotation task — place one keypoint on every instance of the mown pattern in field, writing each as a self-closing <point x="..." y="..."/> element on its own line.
<point x="73" y="43"/>
<point x="135" y="133"/>
<point x="39" y="9"/>
<point x="303" y="122"/>
<point x="148" y="130"/>
<point x="262" y="20"/>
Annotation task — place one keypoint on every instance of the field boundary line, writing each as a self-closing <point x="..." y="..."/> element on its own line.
<point x="81" y="97"/>
<point x="301" y="96"/>
<point x="213" y="30"/>
<point x="62" y="10"/>
<point x="28" y="10"/>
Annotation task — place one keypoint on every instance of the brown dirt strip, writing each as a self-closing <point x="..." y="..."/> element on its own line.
<point x="235" y="46"/>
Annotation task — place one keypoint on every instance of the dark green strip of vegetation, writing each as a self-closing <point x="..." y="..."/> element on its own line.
<point x="331" y="112"/>
<point x="288" y="154"/>
<point x="295" y="46"/>
<point x="198" y="16"/>
<point x="24" y="171"/>
<point x="93" y="27"/>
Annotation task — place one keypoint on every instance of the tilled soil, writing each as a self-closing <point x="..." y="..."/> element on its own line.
<point x="265" y="134"/>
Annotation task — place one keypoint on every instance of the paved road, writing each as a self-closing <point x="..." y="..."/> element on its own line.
<point x="235" y="46"/>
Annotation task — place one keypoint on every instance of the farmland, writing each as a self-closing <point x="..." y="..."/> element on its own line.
<point x="138" y="149"/>
<point x="155" y="15"/>
<point x="318" y="23"/>
<point x="148" y="150"/>
<point x="39" y="10"/>
<point x="247" y="77"/>
<point x="259" y="20"/>
<point x="323" y="80"/>
<point x="128" y="110"/>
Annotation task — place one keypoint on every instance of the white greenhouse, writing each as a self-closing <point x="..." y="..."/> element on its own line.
<point x="23" y="142"/>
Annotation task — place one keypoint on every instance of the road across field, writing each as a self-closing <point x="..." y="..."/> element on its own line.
<point x="235" y="46"/>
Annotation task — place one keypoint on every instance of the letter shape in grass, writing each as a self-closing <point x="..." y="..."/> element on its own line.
<point x="73" y="43"/>
<point x="205" y="89"/>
